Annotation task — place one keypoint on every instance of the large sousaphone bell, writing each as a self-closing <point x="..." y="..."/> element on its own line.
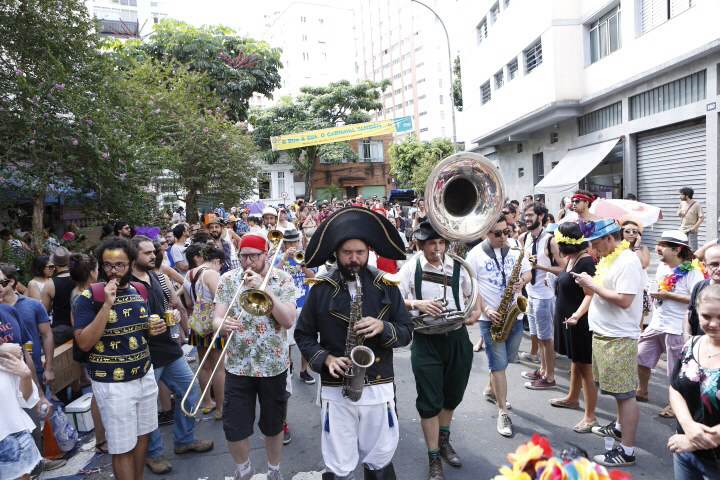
<point x="464" y="195"/>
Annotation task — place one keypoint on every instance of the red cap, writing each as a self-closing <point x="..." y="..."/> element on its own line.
<point x="253" y="241"/>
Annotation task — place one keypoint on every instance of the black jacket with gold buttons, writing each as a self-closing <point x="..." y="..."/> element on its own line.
<point x="327" y="312"/>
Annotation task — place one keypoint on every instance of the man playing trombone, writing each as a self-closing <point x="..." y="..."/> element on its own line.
<point x="256" y="361"/>
<point x="432" y="284"/>
<point x="355" y="307"/>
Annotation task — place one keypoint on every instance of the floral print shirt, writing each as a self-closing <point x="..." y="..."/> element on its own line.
<point x="260" y="347"/>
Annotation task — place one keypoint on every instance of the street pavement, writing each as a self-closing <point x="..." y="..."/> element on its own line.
<point x="473" y="430"/>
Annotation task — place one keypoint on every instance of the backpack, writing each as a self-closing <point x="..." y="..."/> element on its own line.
<point x="98" y="298"/>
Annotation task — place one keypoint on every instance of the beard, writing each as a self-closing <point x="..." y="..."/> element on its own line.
<point x="533" y="226"/>
<point x="215" y="235"/>
<point x="348" y="271"/>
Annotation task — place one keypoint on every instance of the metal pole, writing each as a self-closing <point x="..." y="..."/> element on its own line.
<point x="450" y="65"/>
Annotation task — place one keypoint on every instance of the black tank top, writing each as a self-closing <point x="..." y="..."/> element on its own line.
<point x="61" y="303"/>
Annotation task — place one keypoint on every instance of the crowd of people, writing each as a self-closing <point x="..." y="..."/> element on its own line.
<point x="361" y="273"/>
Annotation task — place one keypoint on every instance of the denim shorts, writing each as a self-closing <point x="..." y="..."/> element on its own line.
<point x="500" y="354"/>
<point x="541" y="313"/>
<point x="18" y="455"/>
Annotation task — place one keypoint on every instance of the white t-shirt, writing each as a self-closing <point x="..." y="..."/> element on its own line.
<point x="609" y="320"/>
<point x="431" y="290"/>
<point x="668" y="315"/>
<point x="489" y="277"/>
<point x="177" y="252"/>
<point x="544" y="286"/>
<point x="14" y="419"/>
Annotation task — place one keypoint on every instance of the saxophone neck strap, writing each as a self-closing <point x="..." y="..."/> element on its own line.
<point x="490" y="252"/>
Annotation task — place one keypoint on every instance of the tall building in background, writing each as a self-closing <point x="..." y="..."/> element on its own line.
<point x="317" y="41"/>
<point x="127" y="18"/>
<point x="403" y="42"/>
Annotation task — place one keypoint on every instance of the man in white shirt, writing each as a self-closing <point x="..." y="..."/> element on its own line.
<point x="493" y="262"/>
<point x="432" y="283"/>
<point x="177" y="251"/>
<point x="664" y="334"/>
<point x="614" y="318"/>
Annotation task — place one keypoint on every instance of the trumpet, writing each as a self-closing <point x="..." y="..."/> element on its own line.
<point x="299" y="257"/>
<point x="254" y="301"/>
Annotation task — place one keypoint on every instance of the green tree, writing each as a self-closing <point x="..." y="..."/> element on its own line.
<point x="457" y="85"/>
<point x="411" y="161"/>
<point x="236" y="67"/>
<point x="55" y="120"/>
<point x="317" y="107"/>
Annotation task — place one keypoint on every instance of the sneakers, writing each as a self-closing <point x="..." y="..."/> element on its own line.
<point x="247" y="475"/>
<point x="528" y="357"/>
<point x="448" y="452"/>
<point x="198" y="446"/>
<point x="490" y="397"/>
<point x="436" y="470"/>
<point x="287" y="437"/>
<point x="540" y="384"/>
<point x="274" y="475"/>
<point x="531" y="375"/>
<point x="504" y="425"/>
<point x="608" y="430"/>
<point x="307" y="378"/>
<point x="158" y="466"/>
<point x="615" y="458"/>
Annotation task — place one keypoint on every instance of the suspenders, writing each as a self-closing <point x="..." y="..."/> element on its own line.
<point x="438" y="278"/>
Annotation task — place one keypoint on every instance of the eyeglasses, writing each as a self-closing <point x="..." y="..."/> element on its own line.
<point x="5" y="282"/>
<point x="713" y="265"/>
<point x="115" y="266"/>
<point x="500" y="233"/>
<point x="631" y="231"/>
<point x="249" y="256"/>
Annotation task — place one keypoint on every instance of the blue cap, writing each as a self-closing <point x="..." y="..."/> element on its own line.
<point x="600" y="228"/>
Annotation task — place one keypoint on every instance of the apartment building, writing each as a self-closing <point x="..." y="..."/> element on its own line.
<point x="127" y="18"/>
<point x="614" y="96"/>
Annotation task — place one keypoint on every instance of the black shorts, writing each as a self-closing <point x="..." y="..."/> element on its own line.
<point x="241" y="395"/>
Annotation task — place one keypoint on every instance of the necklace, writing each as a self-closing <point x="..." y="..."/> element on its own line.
<point x="607" y="262"/>
<point x="667" y="284"/>
<point x="711" y="355"/>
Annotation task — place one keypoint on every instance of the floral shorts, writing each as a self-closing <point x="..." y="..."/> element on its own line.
<point x="18" y="455"/>
<point x="615" y="365"/>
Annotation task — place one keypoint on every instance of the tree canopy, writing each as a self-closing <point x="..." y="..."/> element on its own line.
<point x="412" y="160"/>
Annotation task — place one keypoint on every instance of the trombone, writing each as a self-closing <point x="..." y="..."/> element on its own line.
<point x="254" y="301"/>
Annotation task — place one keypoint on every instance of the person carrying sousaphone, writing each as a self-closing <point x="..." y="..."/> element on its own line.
<point x="361" y="427"/>
<point x="441" y="357"/>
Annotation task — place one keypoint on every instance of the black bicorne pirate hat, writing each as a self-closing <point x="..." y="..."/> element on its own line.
<point x="354" y="223"/>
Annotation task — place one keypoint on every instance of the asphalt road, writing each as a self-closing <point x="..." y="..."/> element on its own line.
<point x="473" y="432"/>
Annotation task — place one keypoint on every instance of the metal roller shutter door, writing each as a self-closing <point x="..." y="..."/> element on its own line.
<point x="667" y="160"/>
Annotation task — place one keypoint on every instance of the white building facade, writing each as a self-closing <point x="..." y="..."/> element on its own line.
<point x="404" y="43"/>
<point x="127" y="18"/>
<point x="612" y="96"/>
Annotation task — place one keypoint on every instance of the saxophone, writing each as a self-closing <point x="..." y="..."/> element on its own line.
<point x="509" y="310"/>
<point x="361" y="357"/>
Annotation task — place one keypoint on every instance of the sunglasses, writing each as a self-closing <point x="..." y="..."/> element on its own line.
<point x="5" y="282"/>
<point x="500" y="233"/>
<point x="631" y="231"/>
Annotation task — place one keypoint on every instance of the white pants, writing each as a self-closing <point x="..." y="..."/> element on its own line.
<point x="353" y="434"/>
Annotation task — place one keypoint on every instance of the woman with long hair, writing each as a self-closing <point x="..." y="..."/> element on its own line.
<point x="199" y="290"/>
<point x="573" y="336"/>
<point x="42" y="270"/>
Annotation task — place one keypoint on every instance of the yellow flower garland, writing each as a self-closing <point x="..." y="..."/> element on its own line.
<point x="606" y="263"/>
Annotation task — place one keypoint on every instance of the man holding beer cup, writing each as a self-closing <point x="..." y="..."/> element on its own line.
<point x="112" y="324"/>
<point x="167" y="359"/>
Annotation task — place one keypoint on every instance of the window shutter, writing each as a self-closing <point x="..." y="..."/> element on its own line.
<point x="653" y="13"/>
<point x="679" y="6"/>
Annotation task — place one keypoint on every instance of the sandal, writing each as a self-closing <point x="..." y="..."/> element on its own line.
<point x="101" y="447"/>
<point x="584" y="427"/>
<point x="218" y="415"/>
<point x="563" y="403"/>
<point x="667" y="412"/>
<point x="206" y="410"/>
<point x="642" y="398"/>
<point x="479" y="346"/>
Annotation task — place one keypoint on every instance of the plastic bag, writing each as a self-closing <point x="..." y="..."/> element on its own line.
<point x="65" y="433"/>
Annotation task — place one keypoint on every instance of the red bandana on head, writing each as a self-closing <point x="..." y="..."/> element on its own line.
<point x="253" y="241"/>
<point x="584" y="198"/>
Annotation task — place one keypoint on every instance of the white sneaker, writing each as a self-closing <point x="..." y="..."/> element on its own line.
<point x="528" y="357"/>
<point x="247" y="476"/>
<point x="504" y="425"/>
<point x="274" y="475"/>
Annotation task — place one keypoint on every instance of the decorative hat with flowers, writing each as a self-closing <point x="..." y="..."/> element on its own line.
<point x="534" y="460"/>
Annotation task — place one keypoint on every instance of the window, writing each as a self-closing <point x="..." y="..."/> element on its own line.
<point x="538" y="167"/>
<point x="421" y="114"/>
<point x="512" y="69"/>
<point x="657" y="12"/>
<point x="521" y="172"/>
<point x="554" y="137"/>
<point x="264" y="185"/>
<point x="281" y="182"/>
<point x="481" y="31"/>
<point x="605" y="35"/>
<point x="304" y="37"/>
<point x="601" y="118"/>
<point x="499" y="80"/>
<point x="306" y="56"/>
<point x="533" y="56"/>
<point x="519" y="148"/>
<point x="371" y="151"/>
<point x="303" y="19"/>
<point x="494" y="12"/>
<point x="680" y="92"/>
<point x="485" y="95"/>
<point x="442" y="99"/>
